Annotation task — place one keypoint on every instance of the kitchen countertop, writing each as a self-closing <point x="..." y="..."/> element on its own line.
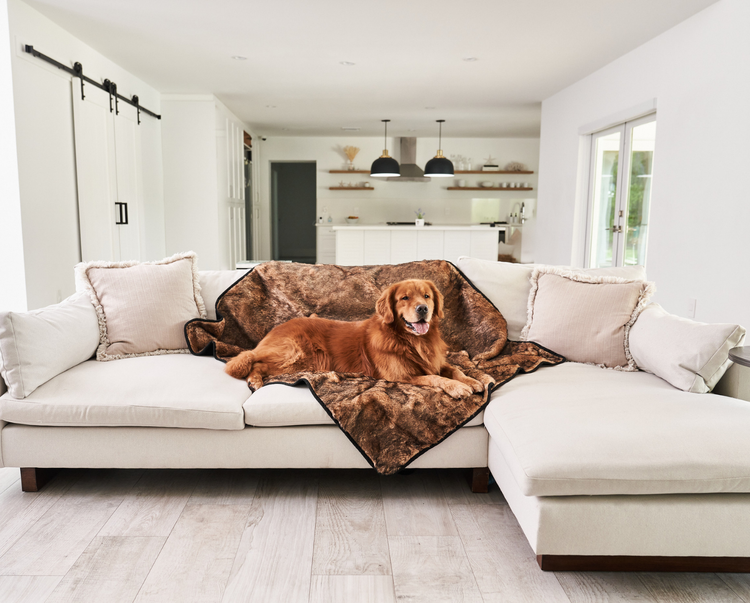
<point x="414" y="227"/>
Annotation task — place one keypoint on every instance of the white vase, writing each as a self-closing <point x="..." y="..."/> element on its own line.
<point x="419" y="221"/>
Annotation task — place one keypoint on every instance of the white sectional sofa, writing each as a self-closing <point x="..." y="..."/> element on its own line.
<point x="603" y="469"/>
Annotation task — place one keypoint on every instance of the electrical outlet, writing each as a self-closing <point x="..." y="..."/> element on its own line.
<point x="691" y="306"/>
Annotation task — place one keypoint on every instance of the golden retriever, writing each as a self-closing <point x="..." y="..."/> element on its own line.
<point x="400" y="342"/>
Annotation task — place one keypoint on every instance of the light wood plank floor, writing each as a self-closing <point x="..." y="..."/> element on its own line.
<point x="292" y="536"/>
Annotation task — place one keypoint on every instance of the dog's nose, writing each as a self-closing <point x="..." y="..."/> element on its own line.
<point x="422" y="309"/>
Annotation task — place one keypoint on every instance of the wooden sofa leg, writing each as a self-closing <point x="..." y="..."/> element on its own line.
<point x="480" y="480"/>
<point x="33" y="479"/>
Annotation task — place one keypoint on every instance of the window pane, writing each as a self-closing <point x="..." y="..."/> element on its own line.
<point x="606" y="158"/>
<point x="639" y="199"/>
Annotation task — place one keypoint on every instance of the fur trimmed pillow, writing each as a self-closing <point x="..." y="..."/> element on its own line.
<point x="585" y="317"/>
<point x="142" y="307"/>
<point x="507" y="285"/>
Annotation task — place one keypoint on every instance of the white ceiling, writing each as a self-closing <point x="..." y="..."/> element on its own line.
<point x="408" y="56"/>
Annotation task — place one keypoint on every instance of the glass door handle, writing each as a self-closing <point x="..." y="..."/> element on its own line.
<point x="615" y="229"/>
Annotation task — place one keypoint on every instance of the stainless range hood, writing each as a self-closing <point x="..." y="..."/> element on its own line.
<point x="410" y="171"/>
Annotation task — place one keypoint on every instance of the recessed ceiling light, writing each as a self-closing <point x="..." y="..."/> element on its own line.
<point x="270" y="106"/>
<point x="470" y="59"/>
<point x="350" y="129"/>
<point x="239" y="57"/>
<point x="347" y="63"/>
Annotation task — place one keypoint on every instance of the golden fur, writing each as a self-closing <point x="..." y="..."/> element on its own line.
<point x="389" y="345"/>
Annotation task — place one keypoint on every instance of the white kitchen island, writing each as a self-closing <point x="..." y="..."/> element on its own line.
<point x="367" y="245"/>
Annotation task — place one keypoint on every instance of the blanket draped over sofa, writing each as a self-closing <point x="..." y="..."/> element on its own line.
<point x="390" y="423"/>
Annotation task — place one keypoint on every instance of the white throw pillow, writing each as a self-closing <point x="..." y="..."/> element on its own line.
<point x="214" y="283"/>
<point x="143" y="306"/>
<point x="585" y="317"/>
<point x="39" y="345"/>
<point x="507" y="285"/>
<point x="690" y="355"/>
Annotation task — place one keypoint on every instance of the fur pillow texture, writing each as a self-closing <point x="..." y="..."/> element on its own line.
<point x="690" y="355"/>
<point x="507" y="285"/>
<point x="38" y="345"/>
<point x="585" y="317"/>
<point x="142" y="307"/>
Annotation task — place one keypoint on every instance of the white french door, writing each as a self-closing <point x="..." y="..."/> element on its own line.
<point x="108" y="171"/>
<point x="622" y="168"/>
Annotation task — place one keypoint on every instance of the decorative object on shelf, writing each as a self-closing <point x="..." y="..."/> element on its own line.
<point x="439" y="166"/>
<point x="352" y="219"/>
<point x="490" y="165"/>
<point x="351" y="153"/>
<point x="460" y="183"/>
<point x="366" y="184"/>
<point x="385" y="166"/>
<point x="486" y="184"/>
<point x="420" y="217"/>
<point x="515" y="166"/>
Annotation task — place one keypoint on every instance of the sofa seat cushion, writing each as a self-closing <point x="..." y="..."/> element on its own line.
<point x="279" y="405"/>
<point x="154" y="391"/>
<point x="576" y="429"/>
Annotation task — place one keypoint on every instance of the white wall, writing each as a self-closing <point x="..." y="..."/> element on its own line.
<point x="12" y="275"/>
<point x="392" y="201"/>
<point x="46" y="155"/>
<point x="196" y="192"/>
<point x="698" y="73"/>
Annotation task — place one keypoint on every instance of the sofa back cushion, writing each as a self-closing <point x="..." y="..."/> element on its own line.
<point x="142" y="306"/>
<point x="214" y="283"/>
<point x="39" y="345"/>
<point x="690" y="355"/>
<point x="585" y="317"/>
<point x="507" y="285"/>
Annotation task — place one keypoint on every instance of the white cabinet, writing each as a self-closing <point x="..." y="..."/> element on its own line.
<point x="403" y="246"/>
<point x="358" y="246"/>
<point x="326" y="245"/>
<point x="350" y="247"/>
<point x="109" y="175"/>
<point x="377" y="247"/>
<point x="430" y="245"/>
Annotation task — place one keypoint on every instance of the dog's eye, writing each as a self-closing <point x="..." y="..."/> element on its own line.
<point x="405" y="297"/>
<point x="426" y="296"/>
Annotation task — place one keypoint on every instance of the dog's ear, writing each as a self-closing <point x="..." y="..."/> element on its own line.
<point x="384" y="305"/>
<point x="438" y="297"/>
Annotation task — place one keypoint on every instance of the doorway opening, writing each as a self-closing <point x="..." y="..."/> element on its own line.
<point x="293" y="202"/>
<point x="622" y="169"/>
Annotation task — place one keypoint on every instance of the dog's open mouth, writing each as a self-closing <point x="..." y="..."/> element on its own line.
<point x="420" y="328"/>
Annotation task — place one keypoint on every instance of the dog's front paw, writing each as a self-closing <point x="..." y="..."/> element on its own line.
<point x="475" y="385"/>
<point x="456" y="389"/>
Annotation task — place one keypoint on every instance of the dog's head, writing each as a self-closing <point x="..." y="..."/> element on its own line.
<point x="411" y="305"/>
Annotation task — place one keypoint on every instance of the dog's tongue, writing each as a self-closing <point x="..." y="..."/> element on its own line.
<point x="421" y="327"/>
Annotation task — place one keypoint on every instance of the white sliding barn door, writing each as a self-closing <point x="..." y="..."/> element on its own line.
<point x="108" y="171"/>
<point x="129" y="185"/>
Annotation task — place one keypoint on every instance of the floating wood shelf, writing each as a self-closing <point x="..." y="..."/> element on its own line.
<point x="492" y="172"/>
<point x="348" y="171"/>
<point x="485" y="188"/>
<point x="350" y="188"/>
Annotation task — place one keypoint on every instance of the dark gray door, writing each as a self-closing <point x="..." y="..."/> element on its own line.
<point x="293" y="196"/>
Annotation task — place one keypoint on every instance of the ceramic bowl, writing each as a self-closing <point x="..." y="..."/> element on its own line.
<point x="486" y="184"/>
<point x="352" y="220"/>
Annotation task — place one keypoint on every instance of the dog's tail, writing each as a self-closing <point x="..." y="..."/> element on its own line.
<point x="241" y="365"/>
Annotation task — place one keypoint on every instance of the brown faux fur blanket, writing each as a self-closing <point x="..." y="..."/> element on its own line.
<point x="390" y="423"/>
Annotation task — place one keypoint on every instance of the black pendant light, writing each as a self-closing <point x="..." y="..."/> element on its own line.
<point x="439" y="166"/>
<point x="385" y="166"/>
